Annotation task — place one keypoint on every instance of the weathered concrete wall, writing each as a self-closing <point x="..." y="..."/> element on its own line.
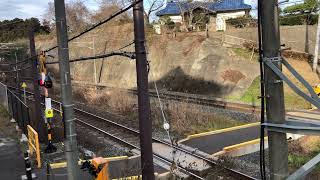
<point x="300" y="38"/>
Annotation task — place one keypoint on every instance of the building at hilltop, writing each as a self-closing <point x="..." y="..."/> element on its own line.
<point x="197" y="13"/>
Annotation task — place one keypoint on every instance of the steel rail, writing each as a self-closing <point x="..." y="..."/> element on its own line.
<point x="164" y="142"/>
<point x="214" y="102"/>
<point x="232" y="171"/>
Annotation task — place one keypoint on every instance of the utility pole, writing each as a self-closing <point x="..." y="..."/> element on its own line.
<point x="145" y="124"/>
<point x="36" y="89"/>
<point x="71" y="148"/>
<point x="278" y="147"/>
<point x="316" y="48"/>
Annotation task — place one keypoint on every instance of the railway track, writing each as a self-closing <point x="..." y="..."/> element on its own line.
<point x="189" y="98"/>
<point x="130" y="138"/>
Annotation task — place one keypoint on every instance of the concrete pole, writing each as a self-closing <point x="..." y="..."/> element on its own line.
<point x="316" y="48"/>
<point x="278" y="149"/>
<point x="71" y="148"/>
<point x="36" y="88"/>
<point x="145" y="124"/>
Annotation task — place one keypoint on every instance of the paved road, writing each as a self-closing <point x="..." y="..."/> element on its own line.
<point x="11" y="159"/>
<point x="216" y="142"/>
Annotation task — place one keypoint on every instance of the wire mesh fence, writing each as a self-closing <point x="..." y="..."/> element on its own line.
<point x="18" y="110"/>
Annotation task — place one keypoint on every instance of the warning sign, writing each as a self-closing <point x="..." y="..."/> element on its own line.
<point x="23" y="85"/>
<point x="49" y="113"/>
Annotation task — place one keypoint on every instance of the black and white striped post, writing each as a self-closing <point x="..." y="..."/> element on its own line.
<point x="28" y="166"/>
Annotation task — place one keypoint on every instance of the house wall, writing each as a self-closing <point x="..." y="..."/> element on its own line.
<point x="222" y="17"/>
<point x="176" y="19"/>
<point x="231" y="14"/>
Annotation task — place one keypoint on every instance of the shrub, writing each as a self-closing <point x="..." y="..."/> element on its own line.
<point x="294" y="19"/>
<point x="241" y="22"/>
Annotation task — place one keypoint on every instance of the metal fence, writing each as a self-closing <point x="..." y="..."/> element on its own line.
<point x="18" y="110"/>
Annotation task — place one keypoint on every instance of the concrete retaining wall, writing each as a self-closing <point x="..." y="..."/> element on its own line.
<point x="300" y="38"/>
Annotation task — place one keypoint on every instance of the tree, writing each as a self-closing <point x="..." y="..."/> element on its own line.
<point x="77" y="13"/>
<point x="109" y="7"/>
<point x="194" y="13"/>
<point x="306" y="7"/>
<point x="150" y="7"/>
<point x="11" y="30"/>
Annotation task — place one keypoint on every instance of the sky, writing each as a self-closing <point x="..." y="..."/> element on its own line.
<point x="10" y="9"/>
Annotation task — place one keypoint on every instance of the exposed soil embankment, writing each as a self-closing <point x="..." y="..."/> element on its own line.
<point x="189" y="62"/>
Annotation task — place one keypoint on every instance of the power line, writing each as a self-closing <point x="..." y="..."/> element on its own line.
<point x="130" y="55"/>
<point x="122" y="10"/>
<point x="132" y="42"/>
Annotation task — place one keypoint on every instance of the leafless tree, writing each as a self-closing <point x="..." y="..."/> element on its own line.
<point x="108" y="7"/>
<point x="77" y="15"/>
<point x="150" y="7"/>
<point x="189" y="14"/>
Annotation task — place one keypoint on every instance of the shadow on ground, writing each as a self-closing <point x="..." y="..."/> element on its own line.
<point x="177" y="80"/>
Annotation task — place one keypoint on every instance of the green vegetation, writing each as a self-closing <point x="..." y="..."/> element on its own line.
<point x="251" y="95"/>
<point x="241" y="22"/>
<point x="245" y="54"/>
<point x="303" y="150"/>
<point x="306" y="6"/>
<point x="216" y="123"/>
<point x="292" y="100"/>
<point x="293" y="19"/>
<point x="299" y="14"/>
<point x="18" y="28"/>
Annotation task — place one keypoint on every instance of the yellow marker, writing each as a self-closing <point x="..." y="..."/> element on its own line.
<point x="24" y="85"/>
<point x="317" y="89"/>
<point x="49" y="113"/>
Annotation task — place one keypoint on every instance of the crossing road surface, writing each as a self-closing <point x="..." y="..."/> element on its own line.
<point x="214" y="141"/>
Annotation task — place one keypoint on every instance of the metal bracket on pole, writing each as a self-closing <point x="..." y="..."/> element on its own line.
<point x="307" y="127"/>
<point x="313" y="99"/>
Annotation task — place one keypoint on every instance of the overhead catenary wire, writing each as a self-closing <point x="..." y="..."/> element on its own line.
<point x="123" y="47"/>
<point x="130" y="55"/>
<point x="122" y="10"/>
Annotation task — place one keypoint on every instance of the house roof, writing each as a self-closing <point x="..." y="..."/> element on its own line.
<point x="175" y="8"/>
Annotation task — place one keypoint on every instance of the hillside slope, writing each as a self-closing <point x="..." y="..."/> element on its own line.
<point x="188" y="62"/>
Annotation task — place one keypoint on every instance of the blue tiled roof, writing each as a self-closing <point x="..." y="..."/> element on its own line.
<point x="173" y="8"/>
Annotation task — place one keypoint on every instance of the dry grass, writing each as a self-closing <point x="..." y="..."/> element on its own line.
<point x="118" y="101"/>
<point x="232" y="76"/>
<point x="186" y="118"/>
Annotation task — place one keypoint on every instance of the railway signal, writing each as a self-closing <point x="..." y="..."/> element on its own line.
<point x="49" y="115"/>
